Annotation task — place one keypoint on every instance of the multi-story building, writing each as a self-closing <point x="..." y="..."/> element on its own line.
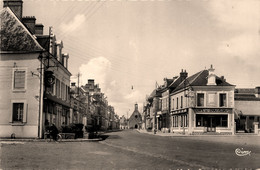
<point x="20" y="75"/>
<point x="203" y="103"/>
<point x="39" y="78"/>
<point x="56" y="104"/>
<point x="153" y="110"/>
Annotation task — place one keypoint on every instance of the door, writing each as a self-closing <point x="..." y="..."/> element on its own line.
<point x="211" y="124"/>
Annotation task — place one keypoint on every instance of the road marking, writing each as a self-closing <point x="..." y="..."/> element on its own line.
<point x="155" y="155"/>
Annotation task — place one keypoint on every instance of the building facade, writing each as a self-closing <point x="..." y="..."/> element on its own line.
<point x="247" y="110"/>
<point x="20" y="101"/>
<point x="203" y="103"/>
<point x="135" y="120"/>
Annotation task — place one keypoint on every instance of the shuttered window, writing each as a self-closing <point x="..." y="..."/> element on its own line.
<point x="19" y="79"/>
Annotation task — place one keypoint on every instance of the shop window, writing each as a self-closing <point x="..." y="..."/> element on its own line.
<point x="221" y="120"/>
<point x="222" y="100"/>
<point x="200" y="99"/>
<point x="199" y="120"/>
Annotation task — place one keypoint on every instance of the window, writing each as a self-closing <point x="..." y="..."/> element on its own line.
<point x="200" y="99"/>
<point x="221" y="120"/>
<point x="58" y="88"/>
<point x="177" y="104"/>
<point x="181" y="101"/>
<point x="160" y="104"/>
<point x="175" y="121"/>
<point x="19" y="79"/>
<point x="173" y="104"/>
<point x="18" y="109"/>
<point x="199" y="120"/>
<point x="222" y="100"/>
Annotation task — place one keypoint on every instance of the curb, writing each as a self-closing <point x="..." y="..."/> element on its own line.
<point x="47" y="140"/>
<point x="181" y="135"/>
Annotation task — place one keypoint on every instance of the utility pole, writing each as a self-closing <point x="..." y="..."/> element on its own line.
<point x="78" y="82"/>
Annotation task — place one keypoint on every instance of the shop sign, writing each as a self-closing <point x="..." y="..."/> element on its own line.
<point x="213" y="110"/>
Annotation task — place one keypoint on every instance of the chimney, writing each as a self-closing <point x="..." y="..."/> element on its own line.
<point x="212" y="76"/>
<point x="16" y="6"/>
<point x="257" y="91"/>
<point x="183" y="75"/>
<point x="38" y="29"/>
<point x="29" y="21"/>
<point x="73" y="84"/>
<point x="223" y="78"/>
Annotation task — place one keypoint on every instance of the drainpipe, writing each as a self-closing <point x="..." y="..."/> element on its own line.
<point x="40" y="99"/>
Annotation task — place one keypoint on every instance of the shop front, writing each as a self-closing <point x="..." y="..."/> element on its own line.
<point x="213" y="121"/>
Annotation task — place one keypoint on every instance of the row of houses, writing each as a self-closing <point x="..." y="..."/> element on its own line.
<point x="202" y="103"/>
<point x="35" y="81"/>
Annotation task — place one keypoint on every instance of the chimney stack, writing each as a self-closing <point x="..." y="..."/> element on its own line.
<point x="29" y="21"/>
<point x="183" y="74"/>
<point x="38" y="29"/>
<point x="212" y="76"/>
<point x="16" y="6"/>
<point x="257" y="91"/>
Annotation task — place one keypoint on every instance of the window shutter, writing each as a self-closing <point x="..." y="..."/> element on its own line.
<point x="25" y="113"/>
<point x="19" y="79"/>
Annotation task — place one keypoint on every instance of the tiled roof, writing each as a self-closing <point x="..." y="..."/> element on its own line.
<point x="14" y="35"/>
<point x="200" y="79"/>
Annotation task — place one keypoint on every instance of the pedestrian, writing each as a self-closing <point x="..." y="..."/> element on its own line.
<point x="54" y="132"/>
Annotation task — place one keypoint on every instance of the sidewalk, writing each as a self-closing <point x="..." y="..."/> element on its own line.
<point x="159" y="133"/>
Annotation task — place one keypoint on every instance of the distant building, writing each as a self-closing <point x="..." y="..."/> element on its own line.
<point x="247" y="109"/>
<point x="123" y="122"/>
<point x="135" y="120"/>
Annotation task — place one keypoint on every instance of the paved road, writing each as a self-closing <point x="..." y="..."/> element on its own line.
<point x="134" y="150"/>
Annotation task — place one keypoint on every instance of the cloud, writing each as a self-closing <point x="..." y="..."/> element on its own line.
<point x="236" y="14"/>
<point x="240" y="22"/>
<point x="98" y="69"/>
<point x="73" y="25"/>
<point x="120" y="95"/>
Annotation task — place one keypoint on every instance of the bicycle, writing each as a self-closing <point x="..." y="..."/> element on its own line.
<point x="47" y="135"/>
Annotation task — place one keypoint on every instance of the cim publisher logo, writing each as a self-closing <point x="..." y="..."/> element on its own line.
<point x="242" y="152"/>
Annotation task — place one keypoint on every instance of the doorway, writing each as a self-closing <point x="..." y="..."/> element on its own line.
<point x="136" y="126"/>
<point x="211" y="124"/>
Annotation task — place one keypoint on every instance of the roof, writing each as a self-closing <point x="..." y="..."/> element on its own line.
<point x="246" y="97"/>
<point x="155" y="93"/>
<point x="14" y="35"/>
<point x="200" y="79"/>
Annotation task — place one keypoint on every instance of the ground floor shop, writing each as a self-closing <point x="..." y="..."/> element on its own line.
<point x="55" y="113"/>
<point x="201" y="121"/>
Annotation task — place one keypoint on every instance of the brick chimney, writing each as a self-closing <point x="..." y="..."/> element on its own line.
<point x="16" y="6"/>
<point x="183" y="74"/>
<point x="39" y="29"/>
<point x="29" y="21"/>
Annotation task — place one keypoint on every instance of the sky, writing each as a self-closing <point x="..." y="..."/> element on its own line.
<point x="129" y="45"/>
